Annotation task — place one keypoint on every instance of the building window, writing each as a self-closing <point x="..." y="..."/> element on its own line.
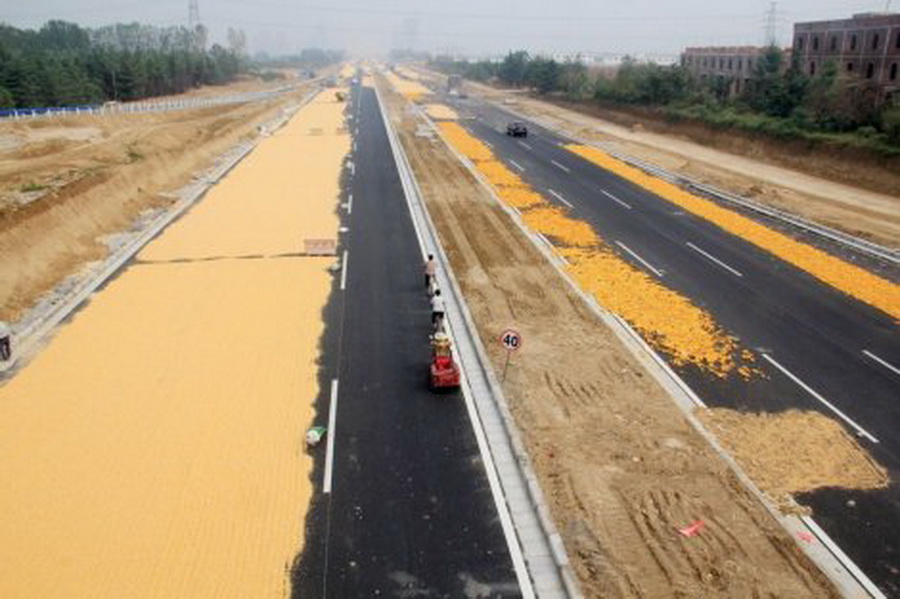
<point x="740" y="64"/>
<point x="812" y="68"/>
<point x="833" y="43"/>
<point x="849" y="67"/>
<point x="800" y="43"/>
<point x="875" y="39"/>
<point x="870" y="70"/>
<point x="893" y="72"/>
<point x="815" y="45"/>
<point x="730" y="64"/>
<point x="897" y="43"/>
<point x="853" y="42"/>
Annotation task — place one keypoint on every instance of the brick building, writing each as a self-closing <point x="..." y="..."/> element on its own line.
<point x="732" y="66"/>
<point x="865" y="46"/>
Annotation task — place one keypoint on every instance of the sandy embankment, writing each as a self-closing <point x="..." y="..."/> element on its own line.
<point x="155" y="448"/>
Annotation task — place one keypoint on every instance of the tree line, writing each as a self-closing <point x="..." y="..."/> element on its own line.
<point x="780" y="99"/>
<point x="63" y="64"/>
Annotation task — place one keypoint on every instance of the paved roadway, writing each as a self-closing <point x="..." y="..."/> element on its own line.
<point x="817" y="334"/>
<point x="410" y="511"/>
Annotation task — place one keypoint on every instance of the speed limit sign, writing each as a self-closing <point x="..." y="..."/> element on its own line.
<point x="511" y="340"/>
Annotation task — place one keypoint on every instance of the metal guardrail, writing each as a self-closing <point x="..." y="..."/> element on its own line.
<point x="121" y="108"/>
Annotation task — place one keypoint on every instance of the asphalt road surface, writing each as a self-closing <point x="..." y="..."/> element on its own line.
<point x="827" y="346"/>
<point x="409" y="511"/>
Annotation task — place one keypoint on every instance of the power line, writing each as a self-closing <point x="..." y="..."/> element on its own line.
<point x="505" y="17"/>
<point x="771" y="36"/>
<point x="193" y="14"/>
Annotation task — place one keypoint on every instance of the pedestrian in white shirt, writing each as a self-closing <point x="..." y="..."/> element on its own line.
<point x="437" y="309"/>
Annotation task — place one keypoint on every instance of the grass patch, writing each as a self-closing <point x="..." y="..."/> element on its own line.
<point x="133" y="155"/>
<point x="32" y="186"/>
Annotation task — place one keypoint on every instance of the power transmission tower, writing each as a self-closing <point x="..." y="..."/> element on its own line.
<point x="193" y="13"/>
<point x="772" y="24"/>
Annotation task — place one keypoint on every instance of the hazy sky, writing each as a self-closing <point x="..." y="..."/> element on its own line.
<point x="467" y="26"/>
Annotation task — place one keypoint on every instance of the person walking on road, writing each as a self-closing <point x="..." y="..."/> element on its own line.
<point x="430" y="271"/>
<point x="437" y="309"/>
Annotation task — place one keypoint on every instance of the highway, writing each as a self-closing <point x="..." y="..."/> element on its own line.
<point x="820" y="349"/>
<point x="404" y="508"/>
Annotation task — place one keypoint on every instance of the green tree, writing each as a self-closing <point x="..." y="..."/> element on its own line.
<point x="514" y="67"/>
<point x="543" y="74"/>
<point x="6" y="98"/>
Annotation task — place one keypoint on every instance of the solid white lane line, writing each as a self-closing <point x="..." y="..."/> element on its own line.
<point x="487" y="143"/>
<point x="525" y="145"/>
<point x="344" y="270"/>
<point x="560" y="198"/>
<point x="615" y="199"/>
<point x="561" y="166"/>
<point x="517" y="165"/>
<point x="863" y="432"/>
<point x="350" y="204"/>
<point x="714" y="259"/>
<point x="639" y="259"/>
<point x="329" y="437"/>
<point x="884" y="363"/>
<point x="842" y="557"/>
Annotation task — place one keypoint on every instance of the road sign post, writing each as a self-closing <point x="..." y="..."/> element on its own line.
<point x="511" y="341"/>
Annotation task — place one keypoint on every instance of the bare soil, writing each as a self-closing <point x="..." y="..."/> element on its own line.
<point x="855" y="194"/>
<point x="822" y="453"/>
<point x="67" y="182"/>
<point x="620" y="466"/>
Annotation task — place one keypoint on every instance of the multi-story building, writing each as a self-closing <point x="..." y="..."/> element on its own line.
<point x="731" y="67"/>
<point x="866" y="46"/>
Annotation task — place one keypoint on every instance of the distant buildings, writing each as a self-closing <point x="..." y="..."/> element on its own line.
<point x="866" y="46"/>
<point x="729" y="67"/>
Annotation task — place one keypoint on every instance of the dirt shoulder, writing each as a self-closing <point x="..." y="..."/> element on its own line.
<point x="755" y="171"/>
<point x="66" y="183"/>
<point x="620" y="466"/>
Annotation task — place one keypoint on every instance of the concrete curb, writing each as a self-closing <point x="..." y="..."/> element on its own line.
<point x="547" y="562"/>
<point x="27" y="339"/>
<point x="844" y="574"/>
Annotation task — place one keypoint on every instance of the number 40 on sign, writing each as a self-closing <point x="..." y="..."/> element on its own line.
<point x="511" y="341"/>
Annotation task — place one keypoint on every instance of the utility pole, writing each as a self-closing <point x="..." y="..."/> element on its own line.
<point x="193" y="14"/>
<point x="772" y="24"/>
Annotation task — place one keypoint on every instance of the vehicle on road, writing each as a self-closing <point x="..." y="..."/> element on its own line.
<point x="517" y="129"/>
<point x="455" y="86"/>
<point x="444" y="369"/>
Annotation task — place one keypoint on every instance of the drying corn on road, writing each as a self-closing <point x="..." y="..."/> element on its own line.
<point x="808" y="332"/>
<point x="155" y="447"/>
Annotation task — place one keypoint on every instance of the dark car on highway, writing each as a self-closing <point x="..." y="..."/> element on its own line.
<point x="517" y="129"/>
